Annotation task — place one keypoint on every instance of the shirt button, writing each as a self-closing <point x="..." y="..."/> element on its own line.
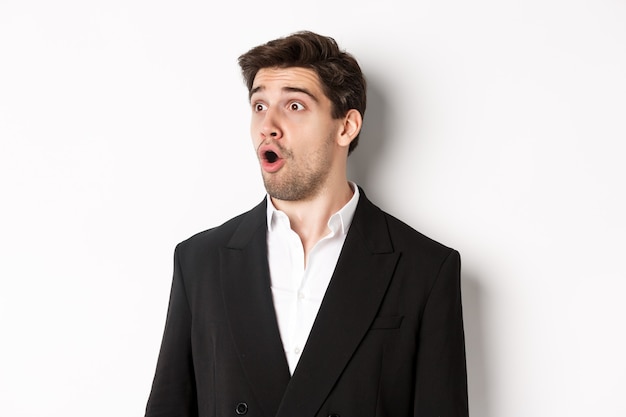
<point x="241" y="409"/>
<point x="300" y="295"/>
<point x="297" y="350"/>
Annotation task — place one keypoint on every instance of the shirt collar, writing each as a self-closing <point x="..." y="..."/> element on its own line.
<point x="338" y="222"/>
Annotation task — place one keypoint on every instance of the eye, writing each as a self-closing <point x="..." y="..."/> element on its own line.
<point x="259" y="107"/>
<point x="295" y="106"/>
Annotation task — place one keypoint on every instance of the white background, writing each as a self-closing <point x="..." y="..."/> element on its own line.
<point x="495" y="127"/>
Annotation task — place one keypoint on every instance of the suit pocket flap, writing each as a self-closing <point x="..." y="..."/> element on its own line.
<point x="386" y="322"/>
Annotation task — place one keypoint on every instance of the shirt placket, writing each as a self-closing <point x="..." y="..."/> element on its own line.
<point x="298" y="273"/>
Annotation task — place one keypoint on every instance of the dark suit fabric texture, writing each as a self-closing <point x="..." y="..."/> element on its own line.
<point x="387" y="341"/>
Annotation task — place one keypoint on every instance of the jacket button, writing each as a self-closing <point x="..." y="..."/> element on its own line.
<point x="333" y="415"/>
<point x="241" y="409"/>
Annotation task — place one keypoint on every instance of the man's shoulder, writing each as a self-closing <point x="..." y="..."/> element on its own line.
<point x="409" y="238"/>
<point x="220" y="235"/>
<point x="408" y="235"/>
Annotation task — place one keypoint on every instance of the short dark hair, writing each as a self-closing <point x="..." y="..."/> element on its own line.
<point x="340" y="75"/>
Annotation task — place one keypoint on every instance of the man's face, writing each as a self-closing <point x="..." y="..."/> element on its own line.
<point x="293" y="132"/>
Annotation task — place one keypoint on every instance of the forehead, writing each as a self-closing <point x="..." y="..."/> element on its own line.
<point x="290" y="77"/>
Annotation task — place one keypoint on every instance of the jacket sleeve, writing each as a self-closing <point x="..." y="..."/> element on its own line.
<point x="441" y="376"/>
<point x="173" y="389"/>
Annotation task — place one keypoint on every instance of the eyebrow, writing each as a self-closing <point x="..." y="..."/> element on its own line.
<point x="287" y="90"/>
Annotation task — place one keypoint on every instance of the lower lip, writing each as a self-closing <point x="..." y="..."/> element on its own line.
<point x="272" y="167"/>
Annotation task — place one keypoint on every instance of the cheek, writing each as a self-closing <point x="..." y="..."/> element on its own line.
<point x="253" y="123"/>
<point x="255" y="138"/>
<point x="254" y="129"/>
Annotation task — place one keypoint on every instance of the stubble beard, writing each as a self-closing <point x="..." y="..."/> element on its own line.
<point x="301" y="180"/>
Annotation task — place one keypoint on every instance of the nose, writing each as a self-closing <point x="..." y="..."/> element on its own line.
<point x="270" y="126"/>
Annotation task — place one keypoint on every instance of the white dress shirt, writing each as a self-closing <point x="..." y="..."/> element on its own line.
<point x="297" y="290"/>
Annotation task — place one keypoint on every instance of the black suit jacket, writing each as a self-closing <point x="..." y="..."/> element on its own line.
<point x="387" y="341"/>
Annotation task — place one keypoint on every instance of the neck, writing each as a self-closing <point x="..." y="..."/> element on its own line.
<point x="309" y="218"/>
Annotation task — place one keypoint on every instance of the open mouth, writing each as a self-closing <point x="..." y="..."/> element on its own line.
<point x="271" y="157"/>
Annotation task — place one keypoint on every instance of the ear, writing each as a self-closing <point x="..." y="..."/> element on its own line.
<point x="351" y="127"/>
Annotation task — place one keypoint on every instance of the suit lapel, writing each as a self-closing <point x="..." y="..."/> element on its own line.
<point x="350" y="304"/>
<point x="248" y="301"/>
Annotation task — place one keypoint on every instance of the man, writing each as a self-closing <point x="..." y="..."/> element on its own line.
<point x="315" y="302"/>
